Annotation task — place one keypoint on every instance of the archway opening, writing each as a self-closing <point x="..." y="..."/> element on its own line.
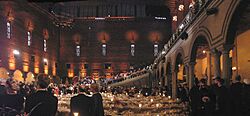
<point x="238" y="36"/>
<point x="180" y="70"/>
<point x="202" y="57"/>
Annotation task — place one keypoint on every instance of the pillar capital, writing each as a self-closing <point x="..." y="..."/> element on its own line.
<point x="225" y="48"/>
<point x="191" y="63"/>
<point x="215" y="52"/>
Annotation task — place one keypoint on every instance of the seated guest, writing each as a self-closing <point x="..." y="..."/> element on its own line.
<point x="97" y="98"/>
<point x="12" y="101"/>
<point x="41" y="103"/>
<point x="236" y="96"/>
<point x="246" y="97"/>
<point x="2" y="87"/>
<point x="82" y="103"/>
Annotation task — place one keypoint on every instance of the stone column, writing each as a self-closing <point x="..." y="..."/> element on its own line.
<point x="154" y="77"/>
<point x="150" y="78"/>
<point x="191" y="74"/>
<point x="226" y="67"/>
<point x="209" y="78"/>
<point x="216" y="63"/>
<point x="174" y="84"/>
<point x="187" y="73"/>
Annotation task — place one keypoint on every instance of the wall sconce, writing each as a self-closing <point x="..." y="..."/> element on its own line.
<point x="234" y="68"/>
<point x="184" y="35"/>
<point x="10" y="16"/>
<point x="16" y="52"/>
<point x="211" y="11"/>
<point x="45" y="60"/>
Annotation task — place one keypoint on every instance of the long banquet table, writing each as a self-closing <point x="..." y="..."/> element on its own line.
<point x="138" y="105"/>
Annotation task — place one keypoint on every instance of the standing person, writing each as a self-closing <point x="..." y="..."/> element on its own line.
<point x="222" y="99"/>
<point x="12" y="99"/>
<point x="236" y="96"/>
<point x="97" y="98"/>
<point x="194" y="97"/>
<point x="206" y="99"/>
<point x="41" y="103"/>
<point x="246" y="97"/>
<point x="82" y="103"/>
<point x="2" y="87"/>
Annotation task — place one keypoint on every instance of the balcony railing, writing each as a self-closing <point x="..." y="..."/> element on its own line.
<point x="191" y="16"/>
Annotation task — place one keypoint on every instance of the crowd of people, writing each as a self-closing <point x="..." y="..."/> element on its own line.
<point x="219" y="100"/>
<point x="40" y="99"/>
<point x="129" y="75"/>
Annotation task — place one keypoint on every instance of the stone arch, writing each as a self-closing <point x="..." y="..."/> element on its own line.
<point x="202" y="35"/>
<point x="178" y="56"/>
<point x="3" y="73"/>
<point x="233" y="20"/>
<point x="18" y="75"/>
<point x="236" y="40"/>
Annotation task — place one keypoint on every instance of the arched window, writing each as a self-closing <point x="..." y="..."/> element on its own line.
<point x="132" y="49"/>
<point x="78" y="50"/>
<point x="29" y="38"/>
<point x="8" y="30"/>
<point x="45" y="45"/>
<point x="155" y="49"/>
<point x="104" y="49"/>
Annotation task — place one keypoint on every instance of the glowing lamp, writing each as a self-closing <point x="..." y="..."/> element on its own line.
<point x="16" y="52"/>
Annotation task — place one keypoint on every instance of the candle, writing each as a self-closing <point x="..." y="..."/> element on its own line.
<point x="169" y="97"/>
<point x="140" y="105"/>
<point x="76" y="113"/>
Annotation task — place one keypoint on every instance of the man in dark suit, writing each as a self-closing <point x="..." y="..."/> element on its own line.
<point x="236" y="96"/>
<point x="41" y="103"/>
<point x="82" y="103"/>
<point x="97" y="98"/>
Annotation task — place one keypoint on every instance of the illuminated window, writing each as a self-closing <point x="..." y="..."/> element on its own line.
<point x="155" y="49"/>
<point x="45" y="45"/>
<point x="29" y="38"/>
<point x="132" y="49"/>
<point x="78" y="50"/>
<point x="8" y="30"/>
<point x="104" y="47"/>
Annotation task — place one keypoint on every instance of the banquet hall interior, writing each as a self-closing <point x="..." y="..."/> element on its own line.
<point x="148" y="57"/>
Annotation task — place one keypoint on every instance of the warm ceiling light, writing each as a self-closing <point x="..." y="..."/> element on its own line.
<point x="181" y="7"/>
<point x="16" y="52"/>
<point x="174" y="18"/>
